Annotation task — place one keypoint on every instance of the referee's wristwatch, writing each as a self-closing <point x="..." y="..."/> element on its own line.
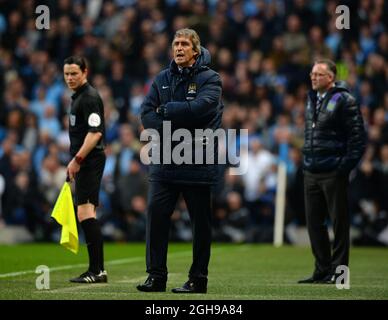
<point x="78" y="159"/>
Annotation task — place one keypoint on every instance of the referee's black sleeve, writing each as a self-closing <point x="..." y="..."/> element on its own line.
<point x="93" y="112"/>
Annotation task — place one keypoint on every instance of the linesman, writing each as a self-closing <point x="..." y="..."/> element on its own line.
<point x="87" y="132"/>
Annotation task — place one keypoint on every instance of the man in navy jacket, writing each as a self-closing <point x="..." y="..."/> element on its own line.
<point x="187" y="95"/>
<point x="334" y="143"/>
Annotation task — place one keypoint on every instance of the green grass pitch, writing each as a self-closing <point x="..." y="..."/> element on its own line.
<point x="248" y="272"/>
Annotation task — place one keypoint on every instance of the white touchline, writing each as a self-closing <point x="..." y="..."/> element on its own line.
<point x="20" y="273"/>
<point x="111" y="263"/>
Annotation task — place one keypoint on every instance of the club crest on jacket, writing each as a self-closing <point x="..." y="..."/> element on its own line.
<point x="191" y="91"/>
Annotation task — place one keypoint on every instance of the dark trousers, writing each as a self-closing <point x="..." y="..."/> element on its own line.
<point x="326" y="195"/>
<point x="162" y="199"/>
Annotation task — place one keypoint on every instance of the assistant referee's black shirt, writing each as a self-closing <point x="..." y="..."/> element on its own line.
<point x="86" y="115"/>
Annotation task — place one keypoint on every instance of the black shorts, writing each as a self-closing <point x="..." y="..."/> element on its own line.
<point x="88" y="180"/>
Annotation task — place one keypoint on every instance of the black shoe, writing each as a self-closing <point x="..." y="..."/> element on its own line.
<point x="198" y="285"/>
<point x="91" y="277"/>
<point x="329" y="279"/>
<point x="315" y="278"/>
<point x="152" y="285"/>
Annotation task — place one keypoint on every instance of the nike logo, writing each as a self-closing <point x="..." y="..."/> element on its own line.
<point x="165" y="87"/>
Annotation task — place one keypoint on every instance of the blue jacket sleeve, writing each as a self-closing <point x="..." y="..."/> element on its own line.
<point x="200" y="110"/>
<point x="149" y="118"/>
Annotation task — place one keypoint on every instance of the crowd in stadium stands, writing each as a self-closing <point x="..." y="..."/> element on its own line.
<point x="263" y="50"/>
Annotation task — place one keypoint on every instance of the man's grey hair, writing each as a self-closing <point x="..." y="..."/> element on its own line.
<point x="192" y="35"/>
<point x="330" y="64"/>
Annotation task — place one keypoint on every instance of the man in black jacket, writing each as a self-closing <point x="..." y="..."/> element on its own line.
<point x="334" y="143"/>
<point x="187" y="95"/>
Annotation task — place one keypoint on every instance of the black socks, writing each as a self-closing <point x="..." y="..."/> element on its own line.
<point x="94" y="242"/>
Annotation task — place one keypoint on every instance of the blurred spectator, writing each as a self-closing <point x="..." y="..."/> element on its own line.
<point x="259" y="162"/>
<point x="31" y="132"/>
<point x="128" y="179"/>
<point x="52" y="176"/>
<point x="237" y="222"/>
